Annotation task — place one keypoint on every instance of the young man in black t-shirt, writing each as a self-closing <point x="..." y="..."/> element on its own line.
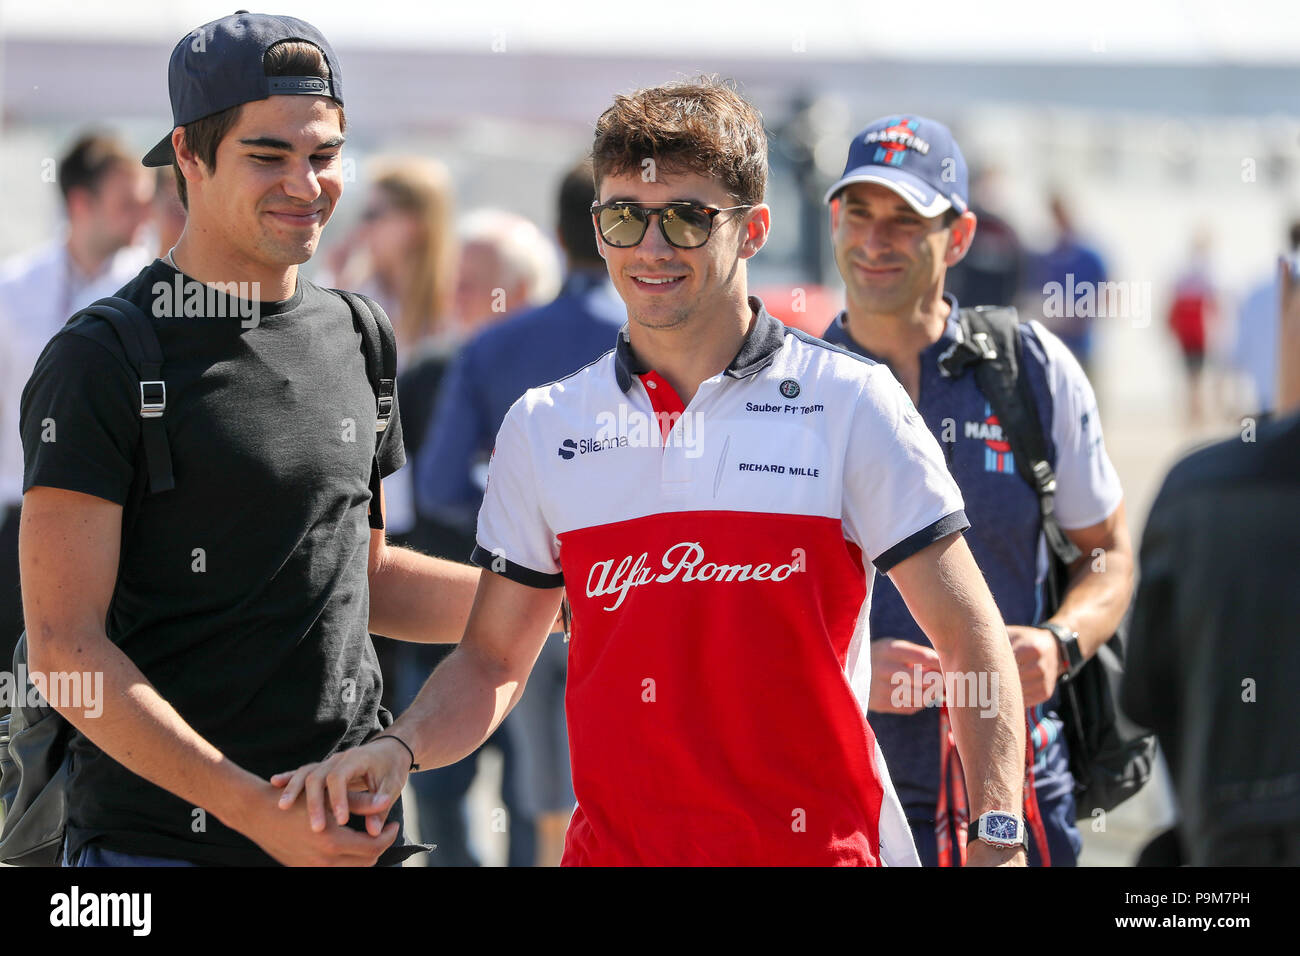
<point x="238" y="605"/>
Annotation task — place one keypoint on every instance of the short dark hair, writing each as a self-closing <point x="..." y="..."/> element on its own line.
<point x="702" y="126"/>
<point x="92" y="157"/>
<point x="950" y="216"/>
<point x="203" y="136"/>
<point x="577" y="193"/>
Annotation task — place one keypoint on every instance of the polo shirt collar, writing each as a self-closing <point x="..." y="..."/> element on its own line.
<point x="951" y="332"/>
<point x="757" y="351"/>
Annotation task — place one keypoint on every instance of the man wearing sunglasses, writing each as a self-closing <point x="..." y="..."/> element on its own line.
<point x="710" y="495"/>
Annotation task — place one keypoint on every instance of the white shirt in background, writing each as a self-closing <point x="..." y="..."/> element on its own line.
<point x="39" y="292"/>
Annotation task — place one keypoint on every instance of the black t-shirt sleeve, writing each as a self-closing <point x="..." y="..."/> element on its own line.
<point x="391" y="451"/>
<point x="80" y="420"/>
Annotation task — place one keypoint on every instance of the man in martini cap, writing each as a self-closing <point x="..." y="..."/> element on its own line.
<point x="900" y="218"/>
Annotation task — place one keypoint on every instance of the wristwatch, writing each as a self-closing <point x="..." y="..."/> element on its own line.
<point x="1001" y="829"/>
<point x="1068" y="641"/>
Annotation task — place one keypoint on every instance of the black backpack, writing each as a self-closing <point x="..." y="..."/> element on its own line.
<point x="1110" y="757"/>
<point x="34" y="739"/>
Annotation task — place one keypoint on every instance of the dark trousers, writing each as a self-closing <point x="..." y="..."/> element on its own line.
<point x="440" y="795"/>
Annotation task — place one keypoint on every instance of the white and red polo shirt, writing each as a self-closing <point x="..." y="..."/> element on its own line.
<point x="718" y="558"/>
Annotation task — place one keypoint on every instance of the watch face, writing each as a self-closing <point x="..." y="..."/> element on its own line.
<point x="1001" y="828"/>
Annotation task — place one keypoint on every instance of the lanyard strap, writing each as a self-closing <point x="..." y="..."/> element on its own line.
<point x="1033" y="818"/>
<point x="952" y="775"/>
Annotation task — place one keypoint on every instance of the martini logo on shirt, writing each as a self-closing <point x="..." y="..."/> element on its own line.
<point x="997" y="450"/>
<point x="684" y="561"/>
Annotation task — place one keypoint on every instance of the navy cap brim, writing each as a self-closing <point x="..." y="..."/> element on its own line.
<point x="160" y="155"/>
<point x="924" y="199"/>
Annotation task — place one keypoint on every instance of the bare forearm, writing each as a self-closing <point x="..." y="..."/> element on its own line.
<point x="459" y="707"/>
<point x="135" y="726"/>
<point x="990" y="726"/>
<point x="1097" y="598"/>
<point x="948" y="597"/>
<point x="414" y="597"/>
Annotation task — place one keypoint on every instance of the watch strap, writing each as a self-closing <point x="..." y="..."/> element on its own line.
<point x="1068" y="642"/>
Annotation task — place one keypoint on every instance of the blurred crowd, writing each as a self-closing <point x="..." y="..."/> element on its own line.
<point x="1225" y="337"/>
<point x="486" y="303"/>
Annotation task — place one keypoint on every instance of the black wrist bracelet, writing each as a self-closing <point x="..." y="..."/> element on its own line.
<point x="414" y="766"/>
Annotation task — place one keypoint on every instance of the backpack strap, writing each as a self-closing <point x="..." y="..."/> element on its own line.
<point x="139" y="342"/>
<point x="991" y="342"/>
<point x="380" y="346"/>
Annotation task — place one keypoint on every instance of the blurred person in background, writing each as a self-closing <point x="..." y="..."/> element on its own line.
<point x="1193" y="320"/>
<point x="406" y="243"/>
<point x="1254" y="348"/>
<point x="992" y="271"/>
<point x="501" y="362"/>
<point x="496" y="366"/>
<point x="899" y="219"/>
<point x="167" y="217"/>
<point x="408" y="235"/>
<point x="505" y="264"/>
<point x="403" y="253"/>
<point x="106" y="196"/>
<point x="1075" y="264"/>
<point x="1212" y="658"/>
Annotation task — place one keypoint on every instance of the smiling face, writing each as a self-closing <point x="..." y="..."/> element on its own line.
<point x="277" y="179"/>
<point x="892" y="260"/>
<point x="665" y="287"/>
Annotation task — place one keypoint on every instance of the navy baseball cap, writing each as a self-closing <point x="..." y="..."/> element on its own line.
<point x="219" y="65"/>
<point x="915" y="157"/>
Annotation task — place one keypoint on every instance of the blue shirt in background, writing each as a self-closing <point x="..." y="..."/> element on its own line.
<point x="1075" y="265"/>
<point x="493" y="369"/>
